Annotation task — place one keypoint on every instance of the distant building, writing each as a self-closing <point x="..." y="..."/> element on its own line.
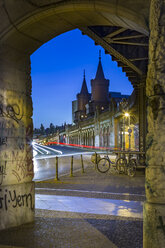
<point x="74" y="109"/>
<point x="98" y="118"/>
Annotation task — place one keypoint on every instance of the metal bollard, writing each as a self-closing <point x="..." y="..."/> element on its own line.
<point x="71" y="167"/>
<point x="95" y="160"/>
<point x="57" y="178"/>
<point x="82" y="165"/>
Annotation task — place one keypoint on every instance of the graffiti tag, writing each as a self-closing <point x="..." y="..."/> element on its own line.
<point x="162" y="226"/>
<point x="11" y="111"/>
<point x="2" y="171"/>
<point x="12" y="199"/>
<point x="24" y="165"/>
<point x="3" y="141"/>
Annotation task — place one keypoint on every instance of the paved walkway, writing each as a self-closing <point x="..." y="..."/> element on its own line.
<point x="95" y="181"/>
<point x="86" y="205"/>
<point x="92" y="210"/>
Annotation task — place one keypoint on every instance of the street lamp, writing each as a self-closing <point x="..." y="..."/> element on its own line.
<point x="129" y="129"/>
<point x="124" y="132"/>
<point x="126" y="114"/>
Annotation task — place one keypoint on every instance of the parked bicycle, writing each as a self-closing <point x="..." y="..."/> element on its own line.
<point x="104" y="164"/>
<point x="125" y="166"/>
<point x="121" y="165"/>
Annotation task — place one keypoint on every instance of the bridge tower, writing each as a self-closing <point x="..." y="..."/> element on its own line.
<point x="83" y="98"/>
<point x="100" y="88"/>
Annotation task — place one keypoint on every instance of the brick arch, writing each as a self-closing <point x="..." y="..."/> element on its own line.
<point x="35" y="24"/>
<point x="24" y="29"/>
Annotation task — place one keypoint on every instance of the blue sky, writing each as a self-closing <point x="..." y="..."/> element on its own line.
<point x="57" y="75"/>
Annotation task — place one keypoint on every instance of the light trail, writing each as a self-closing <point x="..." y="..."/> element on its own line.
<point x="41" y="148"/>
<point x="52" y="149"/>
<point x="37" y="150"/>
<point x="84" y="146"/>
<point x="47" y="150"/>
<point x="67" y="155"/>
<point x="34" y="153"/>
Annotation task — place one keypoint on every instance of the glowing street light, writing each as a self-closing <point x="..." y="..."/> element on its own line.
<point x="129" y="129"/>
<point x="126" y="114"/>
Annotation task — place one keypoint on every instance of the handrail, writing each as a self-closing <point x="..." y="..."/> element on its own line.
<point x="129" y="152"/>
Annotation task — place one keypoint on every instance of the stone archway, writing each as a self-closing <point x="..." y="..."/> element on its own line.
<point x="27" y="25"/>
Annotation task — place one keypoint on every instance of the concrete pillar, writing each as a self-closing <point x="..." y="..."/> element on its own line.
<point x="16" y="130"/>
<point x="87" y="138"/>
<point x="142" y="114"/>
<point x="97" y="134"/>
<point x="116" y="133"/>
<point x="112" y="133"/>
<point x="93" y="138"/>
<point x="154" y="207"/>
<point x="108" y="136"/>
<point x="79" y="138"/>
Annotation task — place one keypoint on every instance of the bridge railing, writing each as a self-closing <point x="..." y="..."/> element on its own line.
<point x="60" y="165"/>
<point x="56" y="166"/>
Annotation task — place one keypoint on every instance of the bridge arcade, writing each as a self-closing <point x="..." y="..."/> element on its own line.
<point x="124" y="29"/>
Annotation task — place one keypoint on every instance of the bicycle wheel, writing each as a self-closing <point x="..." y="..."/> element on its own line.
<point x="103" y="165"/>
<point x="131" y="170"/>
<point x="121" y="165"/>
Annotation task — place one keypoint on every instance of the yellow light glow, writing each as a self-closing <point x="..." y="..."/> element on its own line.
<point x="126" y="114"/>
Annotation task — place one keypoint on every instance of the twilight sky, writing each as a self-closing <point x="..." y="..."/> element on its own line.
<point x="57" y="75"/>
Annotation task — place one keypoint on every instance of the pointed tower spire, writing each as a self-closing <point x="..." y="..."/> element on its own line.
<point x="84" y="73"/>
<point x="100" y="87"/>
<point x="84" y="89"/>
<point x="100" y="73"/>
<point x="99" y="55"/>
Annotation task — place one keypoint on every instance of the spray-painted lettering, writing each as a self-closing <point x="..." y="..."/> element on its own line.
<point x="3" y="141"/>
<point x="2" y="170"/>
<point x="162" y="226"/>
<point x="10" y="128"/>
<point x="23" y="165"/>
<point x="12" y="199"/>
<point x="11" y="111"/>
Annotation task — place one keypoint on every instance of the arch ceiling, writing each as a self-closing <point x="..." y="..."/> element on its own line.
<point x="120" y="27"/>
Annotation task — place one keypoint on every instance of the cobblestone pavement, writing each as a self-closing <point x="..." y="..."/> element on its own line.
<point x="60" y="229"/>
<point x="69" y="230"/>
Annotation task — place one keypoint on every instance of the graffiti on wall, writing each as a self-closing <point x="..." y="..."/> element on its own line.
<point x="11" y="111"/>
<point x="161" y="225"/>
<point x="24" y="168"/>
<point x="2" y="171"/>
<point x="21" y="156"/>
<point x="15" y="141"/>
<point x="24" y="164"/>
<point x="3" y="141"/>
<point x="12" y="199"/>
<point x="8" y="129"/>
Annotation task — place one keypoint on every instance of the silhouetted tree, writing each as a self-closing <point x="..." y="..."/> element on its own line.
<point x="52" y="128"/>
<point x="47" y="131"/>
<point x="42" y="129"/>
